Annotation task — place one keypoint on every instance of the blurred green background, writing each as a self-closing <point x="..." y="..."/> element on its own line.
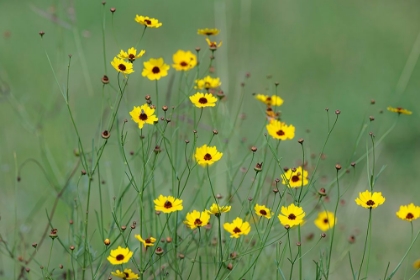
<point x="324" y="54"/>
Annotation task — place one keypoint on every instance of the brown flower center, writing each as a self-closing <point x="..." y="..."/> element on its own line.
<point x="237" y="230"/>
<point x="184" y="64"/>
<point x="126" y="274"/>
<point x="295" y="178"/>
<point x="202" y="100"/>
<point x="156" y="70"/>
<point x="131" y="56"/>
<point x="280" y="132"/>
<point x="209" y="33"/>
<point x="325" y="221"/>
<point x="263" y="212"/>
<point x="409" y="216"/>
<point x="148" y="22"/>
<point x="119" y="257"/>
<point x="291" y="217"/>
<point x="207" y="157"/>
<point x="148" y="240"/>
<point x="167" y="205"/>
<point x="198" y="222"/>
<point x="370" y="203"/>
<point x="122" y="67"/>
<point x="143" y="116"/>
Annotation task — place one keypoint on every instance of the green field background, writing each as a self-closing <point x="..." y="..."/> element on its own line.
<point x="324" y="54"/>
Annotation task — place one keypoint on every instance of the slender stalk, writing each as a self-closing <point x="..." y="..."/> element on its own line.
<point x="366" y="243"/>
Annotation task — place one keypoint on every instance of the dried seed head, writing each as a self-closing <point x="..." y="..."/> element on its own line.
<point x="323" y="235"/>
<point x="352" y="239"/>
<point x="233" y="255"/>
<point x="258" y="167"/>
<point x="159" y="251"/>
<point x="229" y="266"/>
<point x="353" y="164"/>
<point x="105" y="134"/>
<point x="254" y="149"/>
<point x="372" y="101"/>
<point x="219" y="196"/>
<point x="27" y="269"/>
<point x="275" y="191"/>
<point x="105" y="79"/>
<point x="287" y="227"/>
<point x="338" y="166"/>
<point x="371" y="118"/>
<point x="123" y="228"/>
<point x="250" y="199"/>
<point x="83" y="172"/>
<point x="53" y="233"/>
<point x="165" y="108"/>
<point x="215" y="132"/>
<point x="298" y="244"/>
<point x="112" y="10"/>
<point x="168" y="239"/>
<point x="197" y="49"/>
<point x="337" y="112"/>
<point x="72" y="247"/>
<point x="181" y="256"/>
<point x="187" y="141"/>
<point x="61" y="266"/>
<point x="322" y="192"/>
<point x="157" y="149"/>
<point x="300" y="141"/>
<point x="276" y="83"/>
<point x="41" y="33"/>
<point x="147" y="97"/>
<point x="34" y="245"/>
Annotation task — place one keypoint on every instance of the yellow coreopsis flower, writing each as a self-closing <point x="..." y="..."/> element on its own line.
<point x="143" y="114"/>
<point x="409" y="212"/>
<point x="184" y="60"/>
<point x="154" y="69"/>
<point x="207" y="83"/>
<point x="263" y="211"/>
<point x="201" y="100"/>
<point x="295" y="177"/>
<point x="122" y="66"/>
<point x="147" y="21"/>
<point x="206" y="155"/>
<point x="131" y="55"/>
<point x="119" y="255"/>
<point x="216" y="209"/>
<point x="291" y="215"/>
<point x="237" y="228"/>
<point x="273" y="100"/>
<point x="126" y="274"/>
<point x="213" y="45"/>
<point x="370" y="200"/>
<point x="197" y="219"/>
<point x="280" y="130"/>
<point x="146" y="242"/>
<point x="168" y="204"/>
<point x="208" y="31"/>
<point x="399" y="110"/>
<point x="325" y="220"/>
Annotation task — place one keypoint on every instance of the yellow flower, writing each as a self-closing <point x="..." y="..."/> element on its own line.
<point x="216" y="209"/>
<point x="206" y="155"/>
<point x="119" y="255"/>
<point x="237" y="228"/>
<point x="154" y="69"/>
<point x="368" y="200"/>
<point x="201" y="100"/>
<point x="207" y="83"/>
<point x="196" y="219"/>
<point x="409" y="212"/>
<point x="273" y="100"/>
<point x="143" y="114"/>
<point x="127" y="274"/>
<point x="291" y="215"/>
<point x="295" y="177"/>
<point x="168" y="204"/>
<point x="325" y="220"/>
<point x="213" y="45"/>
<point x="263" y="211"/>
<point x="416" y="264"/>
<point x="208" y="31"/>
<point x="122" y="66"/>
<point x="280" y="130"/>
<point x="146" y="242"/>
<point x="400" y="110"/>
<point x="148" y="22"/>
<point x="131" y="54"/>
<point x="184" y="60"/>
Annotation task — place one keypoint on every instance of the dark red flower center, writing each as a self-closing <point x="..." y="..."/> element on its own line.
<point x="291" y="217"/>
<point x="167" y="205"/>
<point x="207" y="157"/>
<point x="183" y="64"/>
<point x="155" y="70"/>
<point x="409" y="216"/>
<point x="202" y="100"/>
<point x="126" y="274"/>
<point x="148" y="241"/>
<point x="131" y="56"/>
<point x="280" y="132"/>
<point x="237" y="230"/>
<point x="263" y="212"/>
<point x="295" y="178"/>
<point x="208" y="33"/>
<point x="143" y="116"/>
<point x="198" y="222"/>
<point x="148" y="22"/>
<point x="370" y="202"/>
<point x="325" y="221"/>
<point x="122" y="67"/>
<point x="119" y="257"/>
